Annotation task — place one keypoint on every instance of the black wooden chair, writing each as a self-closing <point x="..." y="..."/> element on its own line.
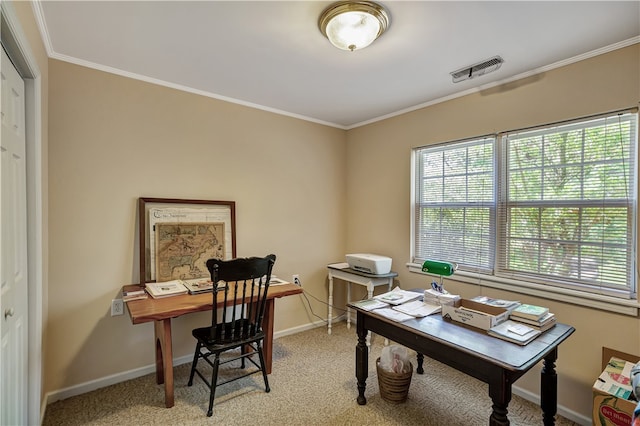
<point x="243" y="283"/>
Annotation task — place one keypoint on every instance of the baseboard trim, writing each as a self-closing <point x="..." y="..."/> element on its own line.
<point x="301" y="328"/>
<point x="102" y="382"/>
<point x="92" y="385"/>
<point x="563" y="411"/>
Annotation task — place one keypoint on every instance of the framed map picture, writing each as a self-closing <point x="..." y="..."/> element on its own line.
<point x="182" y="249"/>
<point x="178" y="236"/>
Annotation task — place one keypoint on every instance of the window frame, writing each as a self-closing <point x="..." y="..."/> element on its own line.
<point x="622" y="300"/>
<point x="444" y="205"/>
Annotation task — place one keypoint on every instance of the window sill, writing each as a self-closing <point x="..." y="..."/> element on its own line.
<point x="595" y="301"/>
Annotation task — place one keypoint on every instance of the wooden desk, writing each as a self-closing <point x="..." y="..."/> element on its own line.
<point x="160" y="311"/>
<point x="471" y="351"/>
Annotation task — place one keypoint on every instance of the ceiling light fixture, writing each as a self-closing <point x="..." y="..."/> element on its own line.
<point x="353" y="25"/>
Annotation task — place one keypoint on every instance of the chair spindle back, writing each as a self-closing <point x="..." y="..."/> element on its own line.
<point x="242" y="284"/>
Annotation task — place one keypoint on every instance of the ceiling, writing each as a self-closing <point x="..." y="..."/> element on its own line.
<point x="271" y="55"/>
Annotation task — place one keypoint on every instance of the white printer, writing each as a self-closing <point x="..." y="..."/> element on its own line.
<point x="369" y="263"/>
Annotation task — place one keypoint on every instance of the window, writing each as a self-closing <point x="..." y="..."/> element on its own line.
<point x="553" y="205"/>
<point x="455" y="203"/>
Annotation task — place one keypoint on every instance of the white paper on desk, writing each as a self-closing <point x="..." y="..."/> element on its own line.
<point x="398" y="296"/>
<point x="339" y="265"/>
<point x="418" y="308"/>
<point x="394" y="315"/>
<point x="370" y="304"/>
<point x="276" y="281"/>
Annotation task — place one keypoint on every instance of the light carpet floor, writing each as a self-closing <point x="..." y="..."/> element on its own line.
<point x="313" y="383"/>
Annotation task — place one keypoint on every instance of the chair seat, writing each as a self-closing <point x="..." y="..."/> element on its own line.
<point x="204" y="336"/>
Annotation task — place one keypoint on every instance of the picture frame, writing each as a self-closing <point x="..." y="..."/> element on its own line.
<point x="177" y="211"/>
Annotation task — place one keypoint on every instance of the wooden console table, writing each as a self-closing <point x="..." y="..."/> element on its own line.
<point x="160" y="311"/>
<point x="471" y="351"/>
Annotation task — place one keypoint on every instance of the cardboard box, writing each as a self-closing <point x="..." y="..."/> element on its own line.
<point x="475" y="314"/>
<point x="612" y="390"/>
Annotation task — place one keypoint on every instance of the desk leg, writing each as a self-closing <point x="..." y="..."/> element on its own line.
<point x="549" y="388"/>
<point x="164" y="359"/>
<point x="369" y="296"/>
<point x="386" y="341"/>
<point x="500" y="393"/>
<point x="330" y="303"/>
<point x="267" y="327"/>
<point x="362" y="360"/>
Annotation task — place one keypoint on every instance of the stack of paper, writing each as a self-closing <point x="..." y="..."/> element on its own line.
<point x="398" y="296"/>
<point x="166" y="289"/>
<point x="130" y="295"/>
<point x="394" y="314"/>
<point x="498" y="303"/>
<point x="440" y="297"/>
<point x="276" y="281"/>
<point x="399" y="305"/>
<point x="418" y="308"/>
<point x="370" y="304"/>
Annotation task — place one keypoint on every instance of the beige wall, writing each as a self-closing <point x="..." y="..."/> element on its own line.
<point x="378" y="182"/>
<point x="115" y="139"/>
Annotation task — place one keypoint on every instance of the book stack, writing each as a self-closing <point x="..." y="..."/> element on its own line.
<point x="514" y="332"/>
<point x="166" y="289"/>
<point x="536" y="317"/>
<point x="198" y="285"/>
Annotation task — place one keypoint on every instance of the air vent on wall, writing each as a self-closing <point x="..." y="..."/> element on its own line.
<point x="477" y="70"/>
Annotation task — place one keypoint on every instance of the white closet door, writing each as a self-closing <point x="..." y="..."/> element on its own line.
<point x="13" y="249"/>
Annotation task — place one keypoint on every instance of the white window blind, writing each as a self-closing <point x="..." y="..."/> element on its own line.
<point x="567" y="201"/>
<point x="455" y="203"/>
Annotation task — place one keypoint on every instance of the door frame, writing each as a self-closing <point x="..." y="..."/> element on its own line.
<point x="17" y="46"/>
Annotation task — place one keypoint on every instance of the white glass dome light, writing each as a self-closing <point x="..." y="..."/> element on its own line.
<point x="353" y="25"/>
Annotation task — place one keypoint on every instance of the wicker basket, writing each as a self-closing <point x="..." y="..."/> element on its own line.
<point x="394" y="387"/>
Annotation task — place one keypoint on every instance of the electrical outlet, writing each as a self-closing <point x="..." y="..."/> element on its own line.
<point x="296" y="280"/>
<point x="117" y="307"/>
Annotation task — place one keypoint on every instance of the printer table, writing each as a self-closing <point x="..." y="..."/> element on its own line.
<point x="338" y="270"/>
